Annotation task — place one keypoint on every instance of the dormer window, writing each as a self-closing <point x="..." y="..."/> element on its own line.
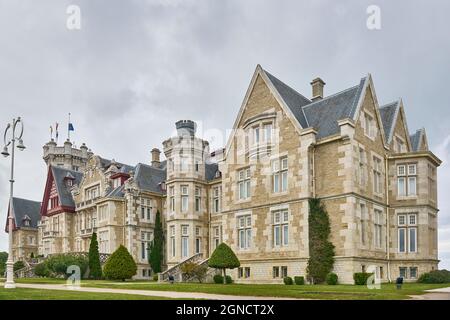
<point x="116" y="183"/>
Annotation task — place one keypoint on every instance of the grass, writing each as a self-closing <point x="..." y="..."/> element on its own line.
<point x="39" y="294"/>
<point x="338" y="292"/>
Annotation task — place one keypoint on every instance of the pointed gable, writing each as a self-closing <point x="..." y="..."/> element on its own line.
<point x="388" y="114"/>
<point x="419" y="140"/>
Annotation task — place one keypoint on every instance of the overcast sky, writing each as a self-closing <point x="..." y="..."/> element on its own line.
<point x="136" y="67"/>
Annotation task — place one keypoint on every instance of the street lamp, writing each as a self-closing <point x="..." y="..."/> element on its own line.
<point x="11" y="140"/>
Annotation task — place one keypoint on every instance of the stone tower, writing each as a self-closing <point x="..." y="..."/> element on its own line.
<point x="187" y="212"/>
<point x="66" y="156"/>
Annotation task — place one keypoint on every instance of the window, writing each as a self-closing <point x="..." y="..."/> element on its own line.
<point x="413" y="272"/>
<point x="267" y="132"/>
<point x="198" y="198"/>
<point x="92" y="192"/>
<point x="146" y="238"/>
<point x="377" y="180"/>
<point x="198" y="240"/>
<point x="184" y="198"/>
<point x="407" y="233"/>
<point x="255" y="136"/>
<point x="284" y="271"/>
<point x="103" y="242"/>
<point x="197" y="166"/>
<point x="276" y="272"/>
<point x="244" y="231"/>
<point x="361" y="169"/>
<point x="244" y="184"/>
<point x="399" y="145"/>
<point x="247" y="272"/>
<point x="184" y="164"/>
<point x="216" y="237"/>
<point x="216" y="199"/>
<point x="280" y="228"/>
<point x="103" y="213"/>
<point x="184" y="241"/>
<point x="146" y="209"/>
<point x="172" y="240"/>
<point x="363" y="218"/>
<point x="378" y="228"/>
<point x="172" y="199"/>
<point x="240" y="272"/>
<point x="403" y="272"/>
<point x="407" y="179"/>
<point x="369" y="129"/>
<point x="279" y="175"/>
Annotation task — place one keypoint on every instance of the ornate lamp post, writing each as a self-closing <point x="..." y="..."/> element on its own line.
<point x="11" y="140"/>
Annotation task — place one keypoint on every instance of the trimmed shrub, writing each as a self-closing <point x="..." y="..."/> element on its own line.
<point x="58" y="264"/>
<point x="223" y="258"/>
<point x="218" y="279"/>
<point x="18" y="265"/>
<point x="299" y="280"/>
<point x="361" y="278"/>
<point x="288" y="281"/>
<point x="120" y="265"/>
<point x="228" y="280"/>
<point x="155" y="277"/>
<point x="332" y="279"/>
<point x="435" y="276"/>
<point x="41" y="270"/>
<point x="95" y="268"/>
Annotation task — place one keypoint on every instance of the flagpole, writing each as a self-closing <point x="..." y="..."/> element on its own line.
<point x="68" y="129"/>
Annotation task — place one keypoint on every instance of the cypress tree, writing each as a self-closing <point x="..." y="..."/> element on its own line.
<point x="95" y="269"/>
<point x="321" y="250"/>
<point x="156" y="247"/>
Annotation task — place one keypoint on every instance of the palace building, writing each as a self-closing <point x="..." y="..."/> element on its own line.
<point x="377" y="180"/>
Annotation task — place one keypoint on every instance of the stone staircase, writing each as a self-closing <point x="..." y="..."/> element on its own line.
<point x="175" y="271"/>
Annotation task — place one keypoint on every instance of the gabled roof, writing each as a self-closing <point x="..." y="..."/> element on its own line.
<point x="117" y="192"/>
<point x="149" y="178"/>
<point x="324" y="114"/>
<point x="389" y="114"/>
<point x="292" y="98"/>
<point x="125" y="168"/>
<point x="24" y="209"/>
<point x="59" y="175"/>
<point x="210" y="171"/>
<point x="417" y="138"/>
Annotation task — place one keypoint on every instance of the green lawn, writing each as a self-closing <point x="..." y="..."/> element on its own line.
<point x="37" y="294"/>
<point x="347" y="292"/>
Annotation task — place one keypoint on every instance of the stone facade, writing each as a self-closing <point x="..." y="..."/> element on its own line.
<point x="377" y="182"/>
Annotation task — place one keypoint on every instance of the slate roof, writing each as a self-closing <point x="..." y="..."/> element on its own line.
<point x="415" y="140"/>
<point x="387" y="113"/>
<point x="210" y="171"/>
<point x="23" y="208"/>
<point x="65" y="196"/>
<point x="322" y="114"/>
<point x="125" y="168"/>
<point x="117" y="192"/>
<point x="149" y="178"/>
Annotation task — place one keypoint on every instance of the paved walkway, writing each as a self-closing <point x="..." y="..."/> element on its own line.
<point x="164" y="294"/>
<point x="435" y="294"/>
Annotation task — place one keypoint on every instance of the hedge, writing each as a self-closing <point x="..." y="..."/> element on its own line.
<point x="288" y="281"/>
<point x="361" y="278"/>
<point x="299" y="280"/>
<point x="332" y="279"/>
<point x="435" y="276"/>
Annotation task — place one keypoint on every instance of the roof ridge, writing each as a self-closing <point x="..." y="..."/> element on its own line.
<point x="330" y="96"/>
<point x="286" y="85"/>
<point x="18" y="198"/>
<point x="149" y="166"/>
<point x="393" y="103"/>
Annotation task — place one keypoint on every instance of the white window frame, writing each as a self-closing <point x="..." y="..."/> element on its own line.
<point x="244" y="178"/>
<point x="184" y="198"/>
<point x="280" y="228"/>
<point x="244" y="226"/>
<point x="280" y="175"/>
<point x="407" y="173"/>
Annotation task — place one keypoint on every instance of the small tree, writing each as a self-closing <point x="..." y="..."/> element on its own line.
<point x="120" y="265"/>
<point x="156" y="247"/>
<point x="95" y="268"/>
<point x="223" y="258"/>
<point x="321" y="250"/>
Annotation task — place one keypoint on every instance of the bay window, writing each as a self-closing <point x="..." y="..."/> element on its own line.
<point x="407" y="179"/>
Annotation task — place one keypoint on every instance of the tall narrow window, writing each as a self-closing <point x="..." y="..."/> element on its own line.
<point x="216" y="199"/>
<point x="362" y="171"/>
<point x="244" y="231"/>
<point x="216" y="237"/>
<point x="407" y="179"/>
<point x="378" y="228"/>
<point x="363" y="223"/>
<point x="184" y="241"/>
<point x="244" y="184"/>
<point x="184" y="198"/>
<point x="280" y="228"/>
<point x="369" y="126"/>
<point x="407" y="233"/>
<point x="256" y="136"/>
<point x="198" y="193"/>
<point x="172" y="240"/>
<point x="172" y="199"/>
<point x="198" y="240"/>
<point x="268" y="132"/>
<point x="280" y="174"/>
<point x="377" y="180"/>
<point x="146" y="238"/>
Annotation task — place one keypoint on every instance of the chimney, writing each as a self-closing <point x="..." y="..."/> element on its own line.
<point x="317" y="89"/>
<point x="155" y="157"/>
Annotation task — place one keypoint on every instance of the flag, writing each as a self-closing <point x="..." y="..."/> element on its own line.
<point x="71" y="127"/>
<point x="56" y="129"/>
